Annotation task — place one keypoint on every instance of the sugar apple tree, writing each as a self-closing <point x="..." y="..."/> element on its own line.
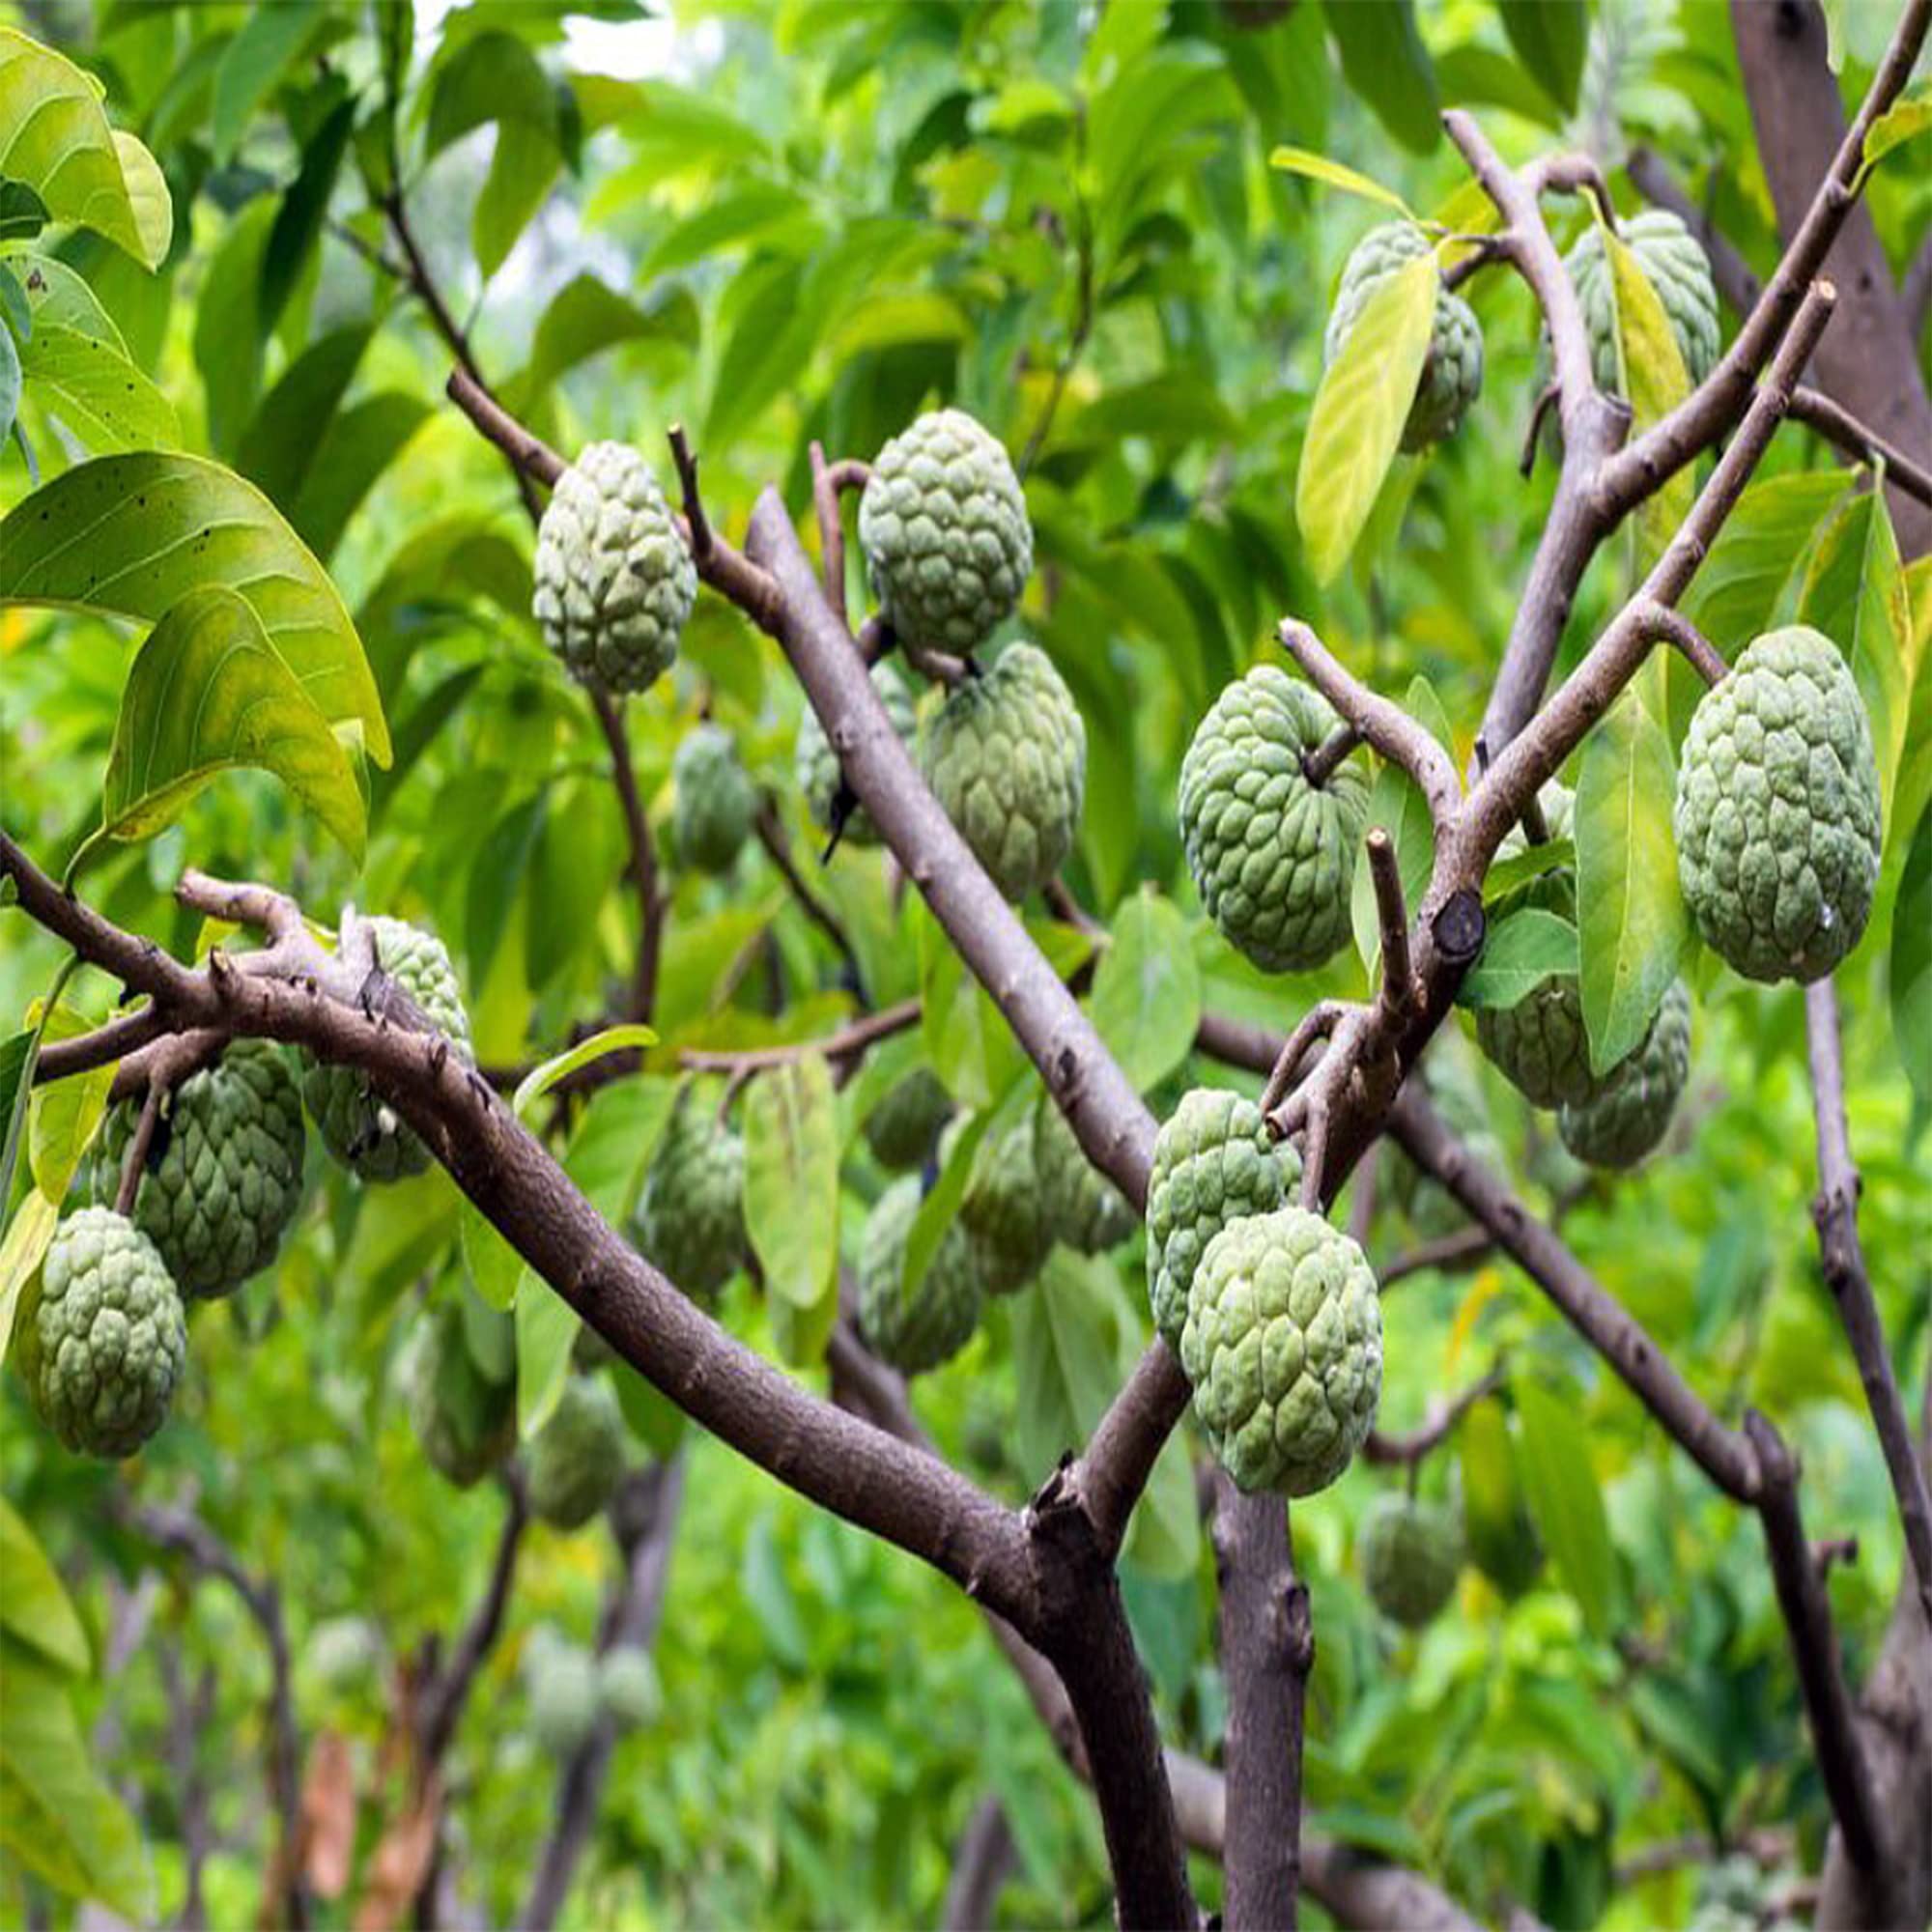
<point x="902" y="1128"/>
<point x="462" y="1410"/>
<point x="690" y="1216"/>
<point x="715" y="799"/>
<point x="915" y="1330"/>
<point x="815" y="764"/>
<point x="1674" y="264"/>
<point x="1630" y="1113"/>
<point x="577" y="1459"/>
<point x="1412" y="1553"/>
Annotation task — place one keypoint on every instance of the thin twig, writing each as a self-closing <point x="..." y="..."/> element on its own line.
<point x="1320" y="764"/>
<point x="770" y="831"/>
<point x="1682" y="634"/>
<point x="134" y="1160"/>
<point x="644" y="854"/>
<point x="848" y="1043"/>
<point x="696" y="524"/>
<point x="1407" y="1450"/>
<point x="1317" y="1023"/>
<point x="1862" y="443"/>
<point x="529" y="453"/>
<point x="1398" y="985"/>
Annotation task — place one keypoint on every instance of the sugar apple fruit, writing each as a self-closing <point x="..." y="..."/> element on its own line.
<point x="1283" y="1343"/>
<point x="1411" y="1554"/>
<point x="943" y="523"/>
<point x="1214" y="1162"/>
<point x="1452" y="371"/>
<point x="901" y="1130"/>
<point x="815" y="764"/>
<point x="1001" y="1209"/>
<point x="464" y="1418"/>
<point x="577" y="1458"/>
<point x="628" y="1688"/>
<point x="100" y="1343"/>
<point x="1778" y="810"/>
<point x="1676" y="267"/>
<point x="917" y="1331"/>
<point x="228" y="1181"/>
<point x="1272" y="856"/>
<point x="1079" y="1204"/>
<point x="691" y="1217"/>
<point x="1007" y="758"/>
<point x="716" y="800"/>
<point x="361" y="1131"/>
<point x="614" y="580"/>
<point x="564" y="1690"/>
<point x="1633" y="1105"/>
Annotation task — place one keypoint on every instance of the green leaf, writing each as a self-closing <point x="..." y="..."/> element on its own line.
<point x="937" y="1211"/>
<point x="209" y="693"/>
<point x="494" y="1267"/>
<point x="1632" y="925"/>
<point x="22" y="212"/>
<point x="1566" y="1502"/>
<point x="356" y="448"/>
<point x="134" y="535"/>
<point x="971" y="1050"/>
<point x="251" y="63"/>
<point x="586" y="318"/>
<point x="542" y="1078"/>
<point x="1147" y="989"/>
<point x="1397" y="806"/>
<point x="297" y="225"/>
<point x="547" y="1325"/>
<point x="58" y="298"/>
<point x="1749" y="581"/>
<point x="28" y="1234"/>
<point x="278" y="448"/>
<point x="494" y="76"/>
<point x="228" y="334"/>
<point x="34" y="1604"/>
<point x="1855" y="592"/>
<point x="1519" y="954"/>
<point x="1550" y="38"/>
<point x="20" y="1086"/>
<point x="1386" y="64"/>
<point x="1359" y="410"/>
<point x="1066" y="1356"/>
<point x="523" y="165"/>
<point x="1904" y="120"/>
<point x="148" y="196"/>
<point x="54" y="137"/>
<point x="1910" y="974"/>
<point x="61" y="1117"/>
<point x="93" y="388"/>
<point x="1495" y="1512"/>
<point x="1333" y="174"/>
<point x="1655" y="380"/>
<point x="791" y="1180"/>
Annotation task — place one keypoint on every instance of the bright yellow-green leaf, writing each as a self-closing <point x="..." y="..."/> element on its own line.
<point x="34" y="1604"/>
<point x="1904" y="120"/>
<point x="1654" y="380"/>
<point x="1910" y="963"/>
<point x="1359" y="410"/>
<point x="95" y="390"/>
<point x="63" y="1113"/>
<point x="791" y="1183"/>
<point x="148" y="196"/>
<point x="610" y="1039"/>
<point x="26" y="1242"/>
<point x="1334" y="174"/>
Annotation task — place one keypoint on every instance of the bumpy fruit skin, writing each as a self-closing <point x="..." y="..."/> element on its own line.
<point x="1632" y="1110"/>
<point x="615" y="582"/>
<point x="691" y="1217"/>
<point x="918" y="1331"/>
<point x="222" y="1195"/>
<point x="1676" y="267"/>
<point x="465" y="1420"/>
<point x="1283" y="1343"/>
<point x="1214" y="1162"/>
<point x="1451" y="372"/>
<point x="815" y="764"/>
<point x="564" y="1688"/>
<point x="902" y="1128"/>
<point x="577" y="1458"/>
<point x="628" y="1688"/>
<point x="1411" y="1554"/>
<point x="1080" y="1206"/>
<point x="1003" y="1210"/>
<point x="715" y="799"/>
<point x="1272" y="856"/>
<point x="944" y="526"/>
<point x="101" y="1344"/>
<point x="357" y="1128"/>
<point x="1777" y="810"/>
<point x="1006" y="758"/>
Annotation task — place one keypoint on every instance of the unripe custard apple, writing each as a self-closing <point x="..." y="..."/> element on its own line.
<point x="901" y="1130"/>
<point x="716" y="800"/>
<point x="1778" y="810"/>
<point x="575" y="1460"/>
<point x="362" y="1132"/>
<point x="815" y="764"/>
<point x="1452" y="371"/>
<point x="690" y="1216"/>
<point x="1007" y="758"/>
<point x="464" y="1418"/>
<point x="1632" y="1110"/>
<point x="1080" y="1206"/>
<point x="628" y="1687"/>
<point x="1214" y="1162"/>
<point x="1003" y="1210"/>
<point x="1675" y="265"/>
<point x="1271" y="855"/>
<point x="614" y="580"/>
<point x="102" y="1341"/>
<point x="943" y="522"/>
<point x="917" y="1331"/>
<point x="229" y="1181"/>
<point x="1283" y="1343"/>
<point x="564" y="1691"/>
<point x="1412" y="1553"/>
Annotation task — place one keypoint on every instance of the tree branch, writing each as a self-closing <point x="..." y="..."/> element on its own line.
<point x="848" y="1044"/>
<point x="1846" y="433"/>
<point x="770" y="831"/>
<point x="441" y="1710"/>
<point x="1403" y="1451"/>
<point x="981" y="1867"/>
<point x="643" y="855"/>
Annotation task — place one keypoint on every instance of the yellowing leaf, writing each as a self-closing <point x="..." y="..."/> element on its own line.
<point x="1654" y="380"/>
<point x="27" y="1238"/>
<point x="1334" y="174"/>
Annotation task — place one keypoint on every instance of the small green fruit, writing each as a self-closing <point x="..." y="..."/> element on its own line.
<point x="577" y="1458"/>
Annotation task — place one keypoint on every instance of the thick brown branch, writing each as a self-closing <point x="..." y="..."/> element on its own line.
<point x="1398" y="982"/>
<point x="981" y="1867"/>
<point x="831" y="529"/>
<point x="1682" y="634"/>
<point x="113" y="1039"/>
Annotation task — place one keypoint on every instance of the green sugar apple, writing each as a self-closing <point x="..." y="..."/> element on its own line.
<point x="1411" y="1554"/>
<point x="1633" y="1106"/>
<point x="628" y="1688"/>
<point x="691" y="1217"/>
<point x="716" y="800"/>
<point x="1778" y="810"/>
<point x="1214" y="1162"/>
<point x="943" y="522"/>
<point x="577" y="1458"/>
<point x="464" y="1418"/>
<point x="361" y="1130"/>
<point x="228" y="1181"/>
<point x="919" y="1330"/>
<point x="100" y="1343"/>
<point x="1001" y="1209"/>
<point x="1283" y="1343"/>
<point x="1079" y="1204"/>
<point x="1675" y="265"/>
<point x="815" y="764"/>
<point x="565" y="1689"/>
<point x="614" y="580"/>
<point x="1272" y="856"/>
<point x="901" y="1130"/>
<point x="1007" y="758"/>
<point x="1452" y="371"/>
